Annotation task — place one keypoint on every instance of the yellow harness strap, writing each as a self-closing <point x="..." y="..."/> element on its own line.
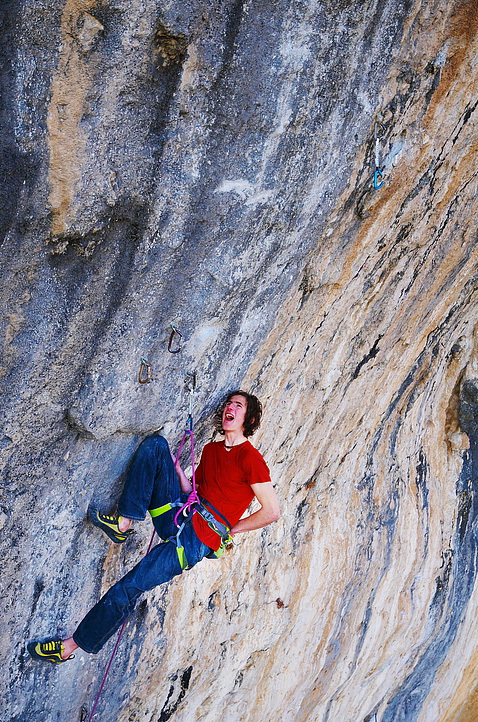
<point x="181" y="556"/>
<point x="179" y="548"/>
<point x="226" y="539"/>
<point x="160" y="510"/>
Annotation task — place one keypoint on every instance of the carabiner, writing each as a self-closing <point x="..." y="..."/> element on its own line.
<point x="190" y="381"/>
<point x="175" y="332"/>
<point x="145" y="368"/>
<point x="378" y="175"/>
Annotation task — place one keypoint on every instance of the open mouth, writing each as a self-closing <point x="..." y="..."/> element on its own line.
<point x="229" y="417"/>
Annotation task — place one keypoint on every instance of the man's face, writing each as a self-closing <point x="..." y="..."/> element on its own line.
<point x="234" y="414"/>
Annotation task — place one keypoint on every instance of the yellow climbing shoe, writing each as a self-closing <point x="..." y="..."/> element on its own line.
<point x="48" y="651"/>
<point x="109" y="524"/>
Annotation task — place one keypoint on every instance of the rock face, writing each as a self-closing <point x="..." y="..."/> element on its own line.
<point x="211" y="165"/>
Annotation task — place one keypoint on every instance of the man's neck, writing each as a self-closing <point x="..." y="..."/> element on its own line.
<point x="233" y="438"/>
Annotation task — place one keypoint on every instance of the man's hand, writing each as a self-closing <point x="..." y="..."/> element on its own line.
<point x="269" y="511"/>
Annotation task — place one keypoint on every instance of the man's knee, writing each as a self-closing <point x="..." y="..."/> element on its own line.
<point x="154" y="443"/>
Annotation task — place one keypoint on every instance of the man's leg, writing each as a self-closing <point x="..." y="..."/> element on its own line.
<point x="107" y="616"/>
<point x="160" y="565"/>
<point x="151" y="482"/>
<point x="157" y="567"/>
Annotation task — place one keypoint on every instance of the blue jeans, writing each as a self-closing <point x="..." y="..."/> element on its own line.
<point x="151" y="482"/>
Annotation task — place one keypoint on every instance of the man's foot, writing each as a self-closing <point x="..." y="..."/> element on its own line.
<point x="51" y="650"/>
<point x="110" y="525"/>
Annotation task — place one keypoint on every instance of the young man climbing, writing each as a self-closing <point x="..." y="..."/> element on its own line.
<point x="231" y="473"/>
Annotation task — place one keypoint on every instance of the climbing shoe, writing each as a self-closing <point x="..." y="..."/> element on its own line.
<point x="110" y="525"/>
<point x="48" y="651"/>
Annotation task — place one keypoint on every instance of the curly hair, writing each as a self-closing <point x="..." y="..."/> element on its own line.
<point x="252" y="419"/>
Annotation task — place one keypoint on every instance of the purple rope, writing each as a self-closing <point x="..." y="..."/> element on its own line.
<point x="114" y="650"/>
<point x="192" y="499"/>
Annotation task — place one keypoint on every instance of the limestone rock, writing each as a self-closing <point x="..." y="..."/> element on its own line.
<point x="210" y="166"/>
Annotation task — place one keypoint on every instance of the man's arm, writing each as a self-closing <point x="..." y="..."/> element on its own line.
<point x="269" y="511"/>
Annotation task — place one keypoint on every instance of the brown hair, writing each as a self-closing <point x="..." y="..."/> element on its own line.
<point x="252" y="419"/>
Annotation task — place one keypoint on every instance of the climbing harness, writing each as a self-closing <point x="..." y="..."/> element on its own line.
<point x="379" y="131"/>
<point x="196" y="507"/>
<point x="145" y="375"/>
<point x="193" y="504"/>
<point x="175" y="340"/>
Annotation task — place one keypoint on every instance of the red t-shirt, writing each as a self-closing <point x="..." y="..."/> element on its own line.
<point x="223" y="478"/>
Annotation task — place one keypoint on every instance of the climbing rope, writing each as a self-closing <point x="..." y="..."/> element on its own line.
<point x="105" y="676"/>
<point x="192" y="504"/>
<point x="192" y="499"/>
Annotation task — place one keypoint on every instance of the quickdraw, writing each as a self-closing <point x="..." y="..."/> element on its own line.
<point x="174" y="346"/>
<point x="145" y="374"/>
<point x="175" y="340"/>
<point x="378" y="175"/>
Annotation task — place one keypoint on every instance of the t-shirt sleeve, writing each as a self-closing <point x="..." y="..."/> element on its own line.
<point x="256" y="469"/>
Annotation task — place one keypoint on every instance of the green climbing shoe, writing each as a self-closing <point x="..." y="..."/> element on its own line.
<point x="109" y="524"/>
<point x="48" y="651"/>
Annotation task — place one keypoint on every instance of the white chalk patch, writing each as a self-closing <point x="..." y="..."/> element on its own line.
<point x="205" y="338"/>
<point x="245" y="191"/>
<point x="241" y="187"/>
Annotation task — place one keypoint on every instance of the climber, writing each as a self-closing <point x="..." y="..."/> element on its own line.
<point x="230" y="474"/>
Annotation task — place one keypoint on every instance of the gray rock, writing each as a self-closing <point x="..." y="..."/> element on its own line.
<point x="210" y="167"/>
